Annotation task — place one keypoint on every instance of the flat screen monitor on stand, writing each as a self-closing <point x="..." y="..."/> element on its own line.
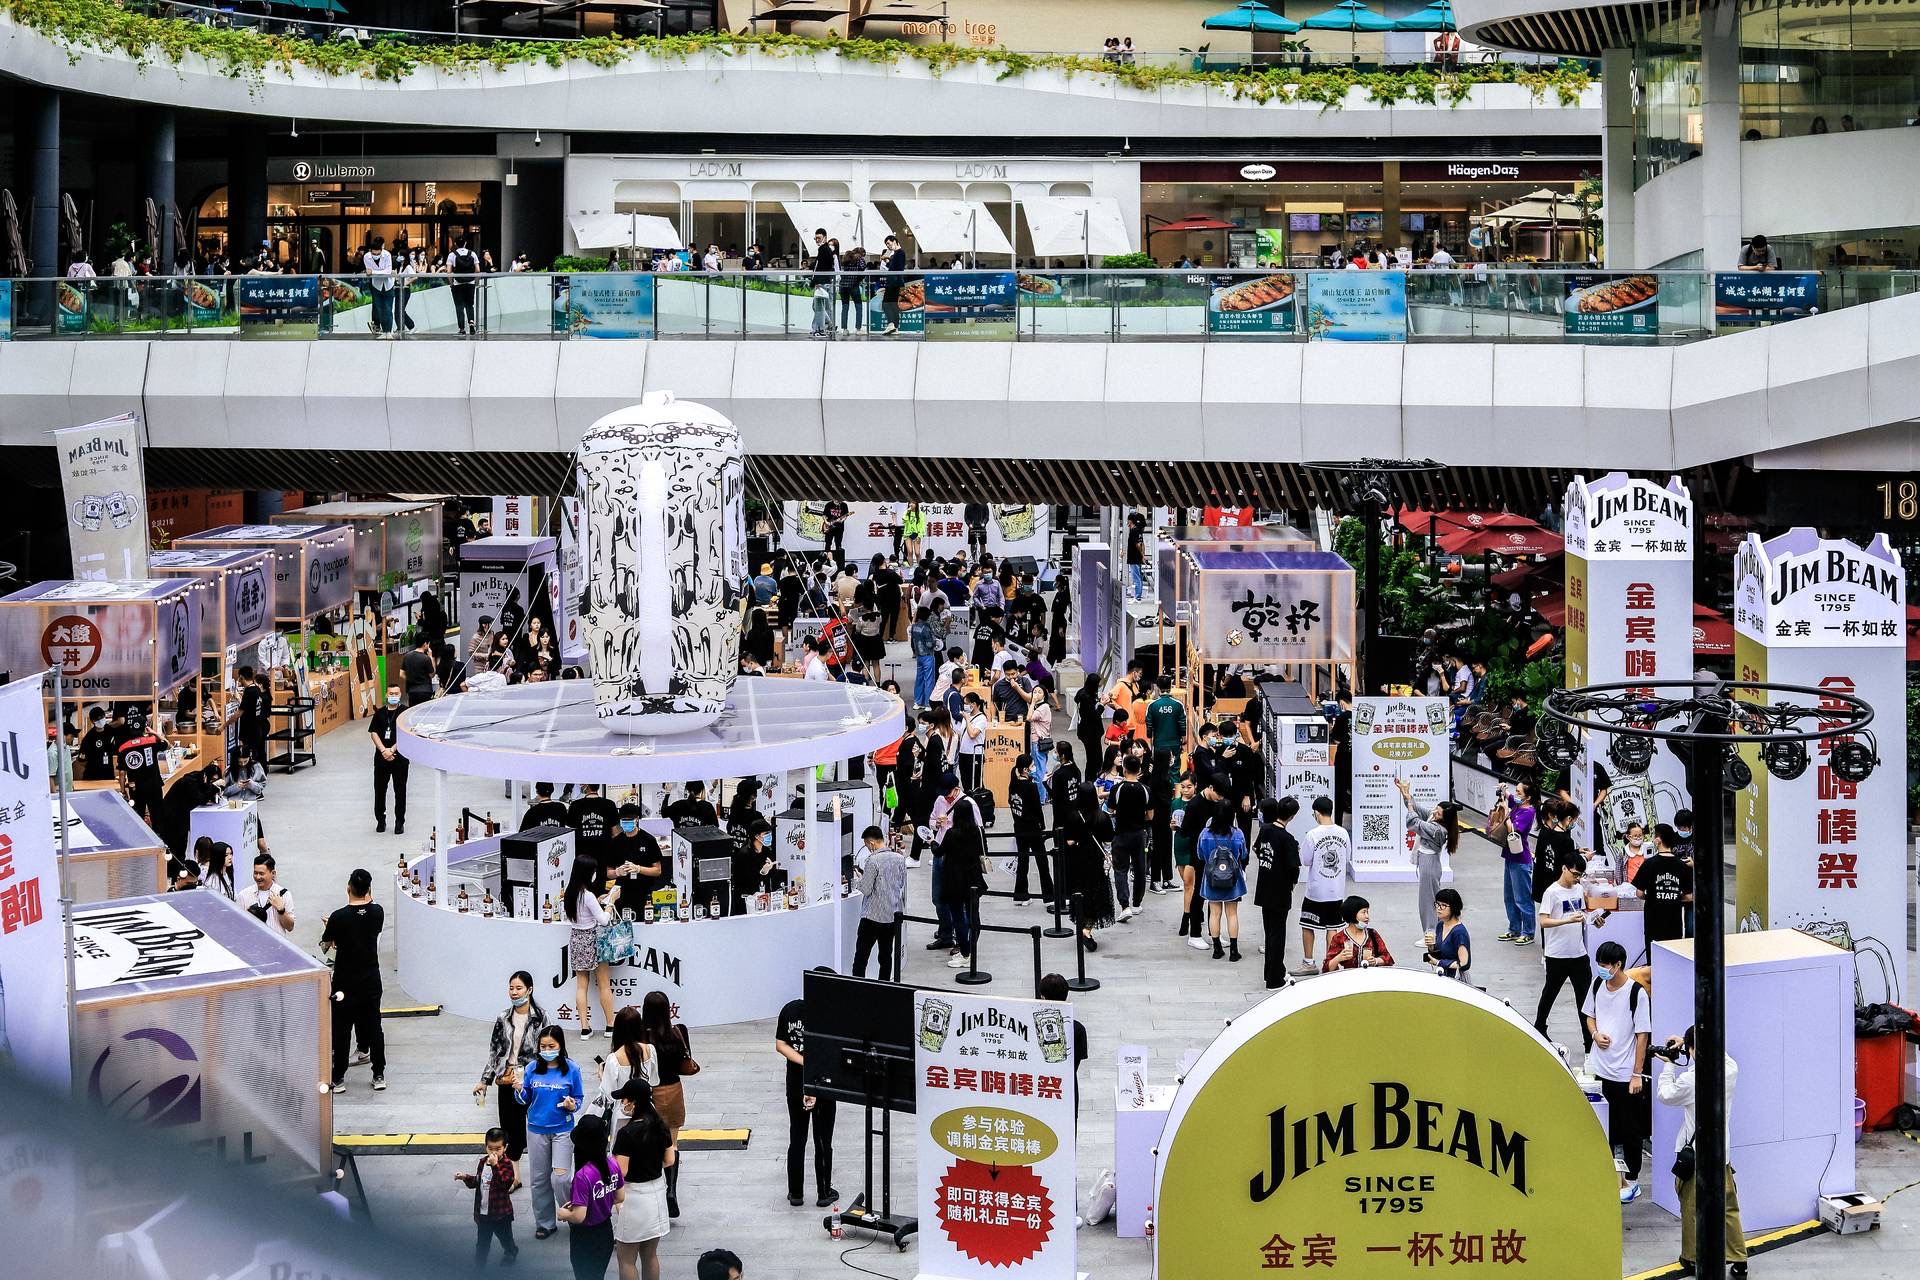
<point x="860" y="1050"/>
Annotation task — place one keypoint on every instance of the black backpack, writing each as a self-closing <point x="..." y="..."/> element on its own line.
<point x="1223" y="869"/>
<point x="465" y="263"/>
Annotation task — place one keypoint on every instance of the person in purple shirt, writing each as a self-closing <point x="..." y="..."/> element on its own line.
<point x="597" y="1188"/>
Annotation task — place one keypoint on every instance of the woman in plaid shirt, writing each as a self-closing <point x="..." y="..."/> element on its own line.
<point x="1356" y="946"/>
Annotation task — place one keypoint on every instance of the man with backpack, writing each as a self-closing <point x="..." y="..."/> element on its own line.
<point x="1620" y="1023"/>
<point x="463" y="264"/>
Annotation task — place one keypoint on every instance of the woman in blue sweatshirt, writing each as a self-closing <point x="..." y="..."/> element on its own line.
<point x="551" y="1091"/>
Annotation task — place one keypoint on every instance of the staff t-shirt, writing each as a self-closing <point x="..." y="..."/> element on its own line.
<point x="1329" y="854"/>
<point x="140" y="757"/>
<point x="594" y="820"/>
<point x="384" y="725"/>
<point x="96" y="755"/>
<point x="354" y="931"/>
<point x="642" y="850"/>
<point x="1566" y="941"/>
<point x="595" y="1190"/>
<point x="1620" y="1015"/>
<point x="1664" y="881"/>
<point x="1130" y="803"/>
<point x="792" y="1028"/>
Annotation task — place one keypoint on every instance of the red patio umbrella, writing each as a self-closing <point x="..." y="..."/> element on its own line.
<point x="1551" y="605"/>
<point x="1504" y="541"/>
<point x="1913" y="633"/>
<point x="1517" y="578"/>
<point x="1414" y="520"/>
<point x="1712" y="632"/>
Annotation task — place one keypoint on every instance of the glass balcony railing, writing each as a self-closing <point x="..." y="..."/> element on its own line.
<point x="1461" y="305"/>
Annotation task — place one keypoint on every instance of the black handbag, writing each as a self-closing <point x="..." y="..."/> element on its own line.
<point x="1683" y="1163"/>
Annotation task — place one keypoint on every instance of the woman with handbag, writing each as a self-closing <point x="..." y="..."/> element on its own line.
<point x="673" y="1058"/>
<point x="963" y="850"/>
<point x="588" y="915"/>
<point x="510" y="1052"/>
<point x="644" y="1151"/>
<point x="632" y="1059"/>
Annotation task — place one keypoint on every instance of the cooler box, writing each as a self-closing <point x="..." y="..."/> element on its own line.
<point x="1878" y="1062"/>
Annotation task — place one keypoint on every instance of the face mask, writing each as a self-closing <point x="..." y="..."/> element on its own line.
<point x="629" y="827"/>
<point x="520" y="1001"/>
<point x="549" y="1055"/>
<point x="392" y="701"/>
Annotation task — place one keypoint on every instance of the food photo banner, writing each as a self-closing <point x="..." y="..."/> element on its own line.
<point x="1629" y="598"/>
<point x="1264" y="304"/>
<point x="970" y="305"/>
<point x="1623" y="304"/>
<point x="1820" y="853"/>
<point x="994" y="1136"/>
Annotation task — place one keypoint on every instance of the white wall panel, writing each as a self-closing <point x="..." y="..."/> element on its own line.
<point x="346" y="397"/>
<point x="1350" y="400"/>
<point x="512" y="390"/>
<point x="1446" y="394"/>
<point x="107" y="379"/>
<point x="1250" y="401"/>
<point x="34" y="378"/>
<point x="188" y="385"/>
<point x="430" y="394"/>
<point x="595" y="378"/>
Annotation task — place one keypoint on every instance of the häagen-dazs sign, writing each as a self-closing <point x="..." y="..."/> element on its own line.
<point x="1397" y="1164"/>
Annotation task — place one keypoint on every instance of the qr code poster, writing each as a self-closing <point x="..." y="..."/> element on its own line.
<point x="1376" y="828"/>
<point x="1395" y="740"/>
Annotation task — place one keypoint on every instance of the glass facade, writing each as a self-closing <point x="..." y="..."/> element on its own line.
<point x="1828" y="68"/>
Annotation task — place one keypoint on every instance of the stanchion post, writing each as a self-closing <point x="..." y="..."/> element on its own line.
<point x="1033" y="931"/>
<point x="974" y="975"/>
<point x="1059" y="930"/>
<point x="1080" y="981"/>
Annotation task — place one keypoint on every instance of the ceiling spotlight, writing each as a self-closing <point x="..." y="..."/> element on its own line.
<point x="1854" y="759"/>
<point x="1785" y="760"/>
<point x="1631" y="752"/>
<point x="1554" y="746"/>
<point x="1737" y="775"/>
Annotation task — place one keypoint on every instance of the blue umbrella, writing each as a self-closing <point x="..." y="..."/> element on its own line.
<point x="1437" y="16"/>
<point x="1350" y="16"/>
<point x="1251" y="16"/>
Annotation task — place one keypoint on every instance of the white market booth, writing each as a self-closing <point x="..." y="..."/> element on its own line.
<point x="1284" y="613"/>
<point x="111" y="851"/>
<point x="740" y="966"/>
<point x="236" y="613"/>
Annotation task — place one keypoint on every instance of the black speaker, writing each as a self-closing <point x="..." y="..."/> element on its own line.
<point x="1026" y="566"/>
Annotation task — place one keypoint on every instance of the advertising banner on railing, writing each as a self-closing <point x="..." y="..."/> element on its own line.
<point x="1818" y="852"/>
<point x="204" y="303"/>
<point x="913" y="308"/>
<point x="1357" y="306"/>
<point x="106" y="498"/>
<point x="279" y="306"/>
<point x="72" y="302"/>
<point x="1395" y="738"/>
<point x="1265" y="304"/>
<point x="604" y="304"/>
<point x="33" y="946"/>
<point x="1757" y="297"/>
<point x="1015" y="529"/>
<point x="994" y="1103"/>
<point x="6" y="310"/>
<point x="971" y="305"/>
<point x="1612" y="304"/>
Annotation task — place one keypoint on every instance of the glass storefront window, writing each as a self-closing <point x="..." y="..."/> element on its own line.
<point x="1667" y="120"/>
<point x="1832" y="67"/>
<point x="308" y="231"/>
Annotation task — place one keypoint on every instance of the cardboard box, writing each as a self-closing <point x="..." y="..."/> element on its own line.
<point x="1849" y="1215"/>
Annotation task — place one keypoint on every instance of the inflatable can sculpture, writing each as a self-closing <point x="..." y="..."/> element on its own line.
<point x="665" y="487"/>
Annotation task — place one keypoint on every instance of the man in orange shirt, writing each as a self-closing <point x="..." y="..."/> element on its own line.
<point x="1125" y="696"/>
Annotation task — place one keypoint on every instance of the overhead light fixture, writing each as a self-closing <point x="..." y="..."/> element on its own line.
<point x="1736" y="775"/>
<point x="1854" y="759"/>
<point x="1785" y="759"/>
<point x="1554" y="745"/>
<point x="1631" y="752"/>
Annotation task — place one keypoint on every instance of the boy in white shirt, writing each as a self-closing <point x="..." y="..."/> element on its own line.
<point x="1327" y="855"/>
<point x="1563" y="914"/>
<point x="1618" y="1016"/>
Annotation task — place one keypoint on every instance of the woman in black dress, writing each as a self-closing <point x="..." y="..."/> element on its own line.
<point x="757" y="643"/>
<point x="1062" y="619"/>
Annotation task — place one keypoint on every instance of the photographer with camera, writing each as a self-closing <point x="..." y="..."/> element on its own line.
<point x="1676" y="1090"/>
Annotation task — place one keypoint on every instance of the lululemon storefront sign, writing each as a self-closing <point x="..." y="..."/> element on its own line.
<point x="1629" y="597"/>
<point x="1401" y="1164"/>
<point x="1819" y="853"/>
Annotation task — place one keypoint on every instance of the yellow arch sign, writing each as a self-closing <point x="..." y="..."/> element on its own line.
<point x="1374" y="1124"/>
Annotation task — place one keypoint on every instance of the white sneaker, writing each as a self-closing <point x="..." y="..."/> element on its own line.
<point x="1125" y="914"/>
<point x="1199" y="944"/>
<point x="957" y="962"/>
<point x="1155" y="889"/>
<point x="1262" y="948"/>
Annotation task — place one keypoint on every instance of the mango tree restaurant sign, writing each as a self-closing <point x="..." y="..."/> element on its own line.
<point x="1402" y="1165"/>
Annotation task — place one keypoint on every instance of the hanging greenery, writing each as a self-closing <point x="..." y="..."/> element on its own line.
<point x="248" y="54"/>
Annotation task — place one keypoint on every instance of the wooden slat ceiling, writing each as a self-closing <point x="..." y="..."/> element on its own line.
<point x="1582" y="33"/>
<point x="780" y="477"/>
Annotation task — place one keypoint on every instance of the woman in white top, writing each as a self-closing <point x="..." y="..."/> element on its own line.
<point x="814" y="666"/>
<point x="973" y="741"/>
<point x="1040" y="727"/>
<point x="588" y="915"/>
<point x="632" y="1058"/>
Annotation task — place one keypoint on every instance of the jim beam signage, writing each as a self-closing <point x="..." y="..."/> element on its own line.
<point x="1818" y="852"/>
<point x="1629" y="601"/>
<point x="1403" y="1164"/>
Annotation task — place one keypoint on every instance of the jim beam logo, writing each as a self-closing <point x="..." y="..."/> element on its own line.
<point x="1833" y="565"/>
<point x="1640" y="499"/>
<point x="1390" y="1119"/>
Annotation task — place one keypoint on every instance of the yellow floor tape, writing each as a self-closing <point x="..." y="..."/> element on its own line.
<point x="462" y="1143"/>
<point x="1755" y="1244"/>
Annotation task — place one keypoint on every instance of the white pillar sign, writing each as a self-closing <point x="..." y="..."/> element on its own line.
<point x="1394" y="738"/>
<point x="1820" y="853"/>
<point x="994" y="1123"/>
<point x="33" y="947"/>
<point x="1629" y="597"/>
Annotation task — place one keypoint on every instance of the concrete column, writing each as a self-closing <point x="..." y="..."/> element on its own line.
<point x="1720" y="198"/>
<point x="1391" y="236"/>
<point x="39" y="139"/>
<point x="246" y="190"/>
<point x="160" y="183"/>
<point x="1616" y="156"/>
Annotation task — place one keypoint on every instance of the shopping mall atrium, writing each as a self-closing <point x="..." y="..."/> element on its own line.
<point x="1224" y="620"/>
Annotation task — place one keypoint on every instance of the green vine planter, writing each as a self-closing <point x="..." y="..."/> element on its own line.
<point x="249" y="55"/>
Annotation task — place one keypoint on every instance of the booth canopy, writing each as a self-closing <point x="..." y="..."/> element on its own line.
<point x="1712" y="632"/>
<point x="624" y="231"/>
<point x="953" y="226"/>
<point x="851" y="222"/>
<point x="1070" y="226"/>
